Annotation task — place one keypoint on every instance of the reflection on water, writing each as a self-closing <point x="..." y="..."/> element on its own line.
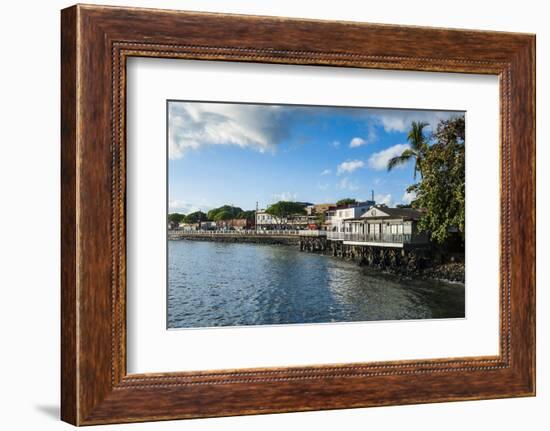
<point x="217" y="284"/>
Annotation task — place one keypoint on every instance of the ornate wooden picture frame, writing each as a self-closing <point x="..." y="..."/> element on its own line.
<point x="96" y="41"/>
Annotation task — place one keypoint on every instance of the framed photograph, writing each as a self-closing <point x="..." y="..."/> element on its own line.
<point x="266" y="215"/>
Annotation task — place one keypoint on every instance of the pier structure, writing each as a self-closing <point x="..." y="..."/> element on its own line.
<point x="382" y="251"/>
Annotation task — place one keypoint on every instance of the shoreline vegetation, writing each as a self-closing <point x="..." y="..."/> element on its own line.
<point x="427" y="263"/>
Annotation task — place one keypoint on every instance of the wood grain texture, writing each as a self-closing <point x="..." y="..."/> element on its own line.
<point x="96" y="41"/>
<point x="69" y="397"/>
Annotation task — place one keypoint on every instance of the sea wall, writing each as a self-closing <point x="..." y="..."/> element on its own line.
<point x="236" y="238"/>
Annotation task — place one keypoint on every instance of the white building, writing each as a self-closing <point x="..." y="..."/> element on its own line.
<point x="208" y="225"/>
<point x="188" y="226"/>
<point x="384" y="225"/>
<point x="337" y="217"/>
<point x="267" y="221"/>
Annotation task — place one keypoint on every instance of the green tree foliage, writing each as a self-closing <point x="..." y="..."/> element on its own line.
<point x="441" y="191"/>
<point x="417" y="151"/>
<point x="222" y="215"/>
<point x="346" y="201"/>
<point x="285" y="209"/>
<point x="176" y="217"/>
<point x="321" y="218"/>
<point x="195" y="217"/>
<point x="214" y="214"/>
<point x="248" y="215"/>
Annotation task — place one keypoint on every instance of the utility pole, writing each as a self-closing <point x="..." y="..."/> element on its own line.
<point x="256" y="218"/>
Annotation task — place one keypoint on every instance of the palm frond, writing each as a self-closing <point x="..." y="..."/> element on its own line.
<point x="416" y="135"/>
<point x="400" y="160"/>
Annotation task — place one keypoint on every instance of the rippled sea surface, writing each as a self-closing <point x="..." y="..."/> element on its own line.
<point x="217" y="284"/>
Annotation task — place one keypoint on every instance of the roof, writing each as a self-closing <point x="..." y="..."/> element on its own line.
<point x="355" y="205"/>
<point x="403" y="213"/>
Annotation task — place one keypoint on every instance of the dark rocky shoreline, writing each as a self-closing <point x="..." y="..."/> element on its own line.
<point x="453" y="272"/>
<point x="417" y="267"/>
<point x="449" y="272"/>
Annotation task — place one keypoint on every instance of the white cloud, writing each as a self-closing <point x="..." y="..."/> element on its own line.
<point x="384" y="199"/>
<point x="285" y="196"/>
<point x="379" y="161"/>
<point x="195" y="125"/>
<point x="369" y="139"/>
<point x="346" y="184"/>
<point x="326" y="172"/>
<point x="408" y="197"/>
<point x="357" y="142"/>
<point x="399" y="120"/>
<point x="349" y="166"/>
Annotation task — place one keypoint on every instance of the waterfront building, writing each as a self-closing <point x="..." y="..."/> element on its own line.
<point x="317" y="209"/>
<point x="335" y="217"/>
<point x="236" y="224"/>
<point x="265" y="221"/>
<point x="208" y="225"/>
<point x="188" y="226"/>
<point x="302" y="222"/>
<point x="380" y="224"/>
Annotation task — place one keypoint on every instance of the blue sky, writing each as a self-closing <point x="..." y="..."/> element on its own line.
<point x="240" y="154"/>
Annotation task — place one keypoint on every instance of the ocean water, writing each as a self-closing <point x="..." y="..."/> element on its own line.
<point x="214" y="284"/>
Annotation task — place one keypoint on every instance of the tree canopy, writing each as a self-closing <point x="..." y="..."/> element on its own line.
<point x="225" y="212"/>
<point x="286" y="209"/>
<point x="441" y="190"/>
<point x="346" y="201"/>
<point x="228" y="212"/>
<point x="176" y="217"/>
<point x="249" y="215"/>
<point x="195" y="217"/>
<point x="222" y="216"/>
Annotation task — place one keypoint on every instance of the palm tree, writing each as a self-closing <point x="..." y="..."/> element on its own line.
<point x="417" y="151"/>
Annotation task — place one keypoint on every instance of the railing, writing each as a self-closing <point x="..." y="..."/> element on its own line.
<point x="236" y="232"/>
<point x="382" y="238"/>
<point x="249" y="232"/>
<point x="397" y="238"/>
<point x="335" y="235"/>
<point x="312" y="232"/>
<point x="370" y="237"/>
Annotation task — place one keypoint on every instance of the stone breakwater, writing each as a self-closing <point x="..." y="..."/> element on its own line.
<point x="291" y="240"/>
